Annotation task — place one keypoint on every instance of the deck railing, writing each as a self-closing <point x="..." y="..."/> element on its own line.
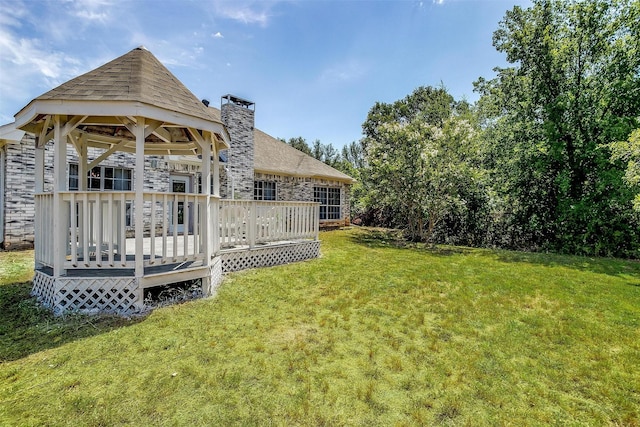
<point x="250" y="223"/>
<point x="43" y="230"/>
<point x="177" y="226"/>
<point x="101" y="229"/>
<point x="101" y="226"/>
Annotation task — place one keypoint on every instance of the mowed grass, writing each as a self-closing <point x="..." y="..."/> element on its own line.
<point x="372" y="333"/>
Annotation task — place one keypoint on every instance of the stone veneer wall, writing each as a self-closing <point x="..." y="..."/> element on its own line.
<point x="20" y="182"/>
<point x="301" y="189"/>
<point x="239" y="121"/>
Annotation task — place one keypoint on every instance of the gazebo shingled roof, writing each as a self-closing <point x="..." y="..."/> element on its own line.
<point x="135" y="84"/>
<point x="134" y="76"/>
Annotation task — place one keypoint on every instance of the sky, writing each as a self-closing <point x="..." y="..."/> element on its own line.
<point x="313" y="68"/>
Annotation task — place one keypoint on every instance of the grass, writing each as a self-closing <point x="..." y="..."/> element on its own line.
<point x="373" y="333"/>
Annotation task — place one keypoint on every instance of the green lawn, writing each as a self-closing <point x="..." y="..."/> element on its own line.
<point x="372" y="333"/>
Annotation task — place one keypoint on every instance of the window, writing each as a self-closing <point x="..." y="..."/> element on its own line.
<point x="73" y="177"/>
<point x="329" y="199"/>
<point x="200" y="184"/>
<point x="110" y="178"/>
<point x="264" y="190"/>
<point x="105" y="178"/>
<point x="102" y="178"/>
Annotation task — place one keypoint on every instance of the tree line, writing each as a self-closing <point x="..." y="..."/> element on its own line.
<point x="548" y="158"/>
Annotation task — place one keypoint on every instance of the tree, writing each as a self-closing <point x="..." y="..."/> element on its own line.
<point x="572" y="88"/>
<point x="417" y="155"/>
<point x="629" y="152"/>
<point x="299" y="143"/>
<point x="325" y="153"/>
<point x="351" y="159"/>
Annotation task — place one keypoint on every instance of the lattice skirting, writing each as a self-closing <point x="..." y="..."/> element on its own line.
<point x="121" y="295"/>
<point x="215" y="277"/>
<point x="269" y="256"/>
<point x="87" y="294"/>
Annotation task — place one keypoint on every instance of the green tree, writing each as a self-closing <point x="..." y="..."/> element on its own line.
<point x="629" y="152"/>
<point x="329" y="154"/>
<point x="417" y="154"/>
<point x="572" y="88"/>
<point x="326" y="153"/>
<point x="299" y="143"/>
<point x="351" y="159"/>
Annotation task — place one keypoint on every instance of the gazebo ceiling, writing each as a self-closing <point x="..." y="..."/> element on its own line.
<point x="103" y="107"/>
<point x="117" y="134"/>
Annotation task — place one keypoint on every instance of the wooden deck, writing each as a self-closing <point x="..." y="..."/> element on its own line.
<point x="91" y="265"/>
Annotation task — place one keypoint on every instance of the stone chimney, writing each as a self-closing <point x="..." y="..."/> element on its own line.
<point x="237" y="115"/>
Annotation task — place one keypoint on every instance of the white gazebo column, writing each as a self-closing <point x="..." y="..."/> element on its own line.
<point x="82" y="163"/>
<point x="60" y="225"/>
<point x="39" y="166"/>
<point x="139" y="202"/>
<point x="206" y="212"/>
<point x="39" y="188"/>
<point x="215" y="210"/>
<point x="216" y="172"/>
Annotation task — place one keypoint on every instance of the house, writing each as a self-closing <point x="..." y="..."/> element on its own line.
<point x="257" y="166"/>
<point x="175" y="190"/>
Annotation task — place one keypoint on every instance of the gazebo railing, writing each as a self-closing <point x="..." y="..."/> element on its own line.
<point x="101" y="229"/>
<point x="43" y="227"/>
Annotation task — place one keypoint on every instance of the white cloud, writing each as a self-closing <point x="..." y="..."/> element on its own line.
<point x="251" y="12"/>
<point x="29" y="70"/>
<point x="92" y="16"/>
<point x="217" y="35"/>
<point x="92" y="10"/>
<point x="12" y="14"/>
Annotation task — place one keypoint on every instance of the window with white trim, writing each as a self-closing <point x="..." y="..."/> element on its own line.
<point x="102" y="178"/>
<point x="105" y="178"/>
<point x="264" y="190"/>
<point x="73" y="176"/>
<point x="329" y="199"/>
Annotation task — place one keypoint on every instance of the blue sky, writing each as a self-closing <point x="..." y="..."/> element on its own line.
<point x="313" y="68"/>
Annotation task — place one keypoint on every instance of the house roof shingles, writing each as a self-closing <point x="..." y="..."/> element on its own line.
<point x="273" y="156"/>
<point x="276" y="157"/>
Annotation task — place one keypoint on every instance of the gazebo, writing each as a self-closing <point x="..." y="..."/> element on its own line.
<point x="85" y="260"/>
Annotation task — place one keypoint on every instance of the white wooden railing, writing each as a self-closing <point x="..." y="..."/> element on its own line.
<point x="43" y="230"/>
<point x="178" y="237"/>
<point x="101" y="229"/>
<point x="97" y="229"/>
<point x="249" y="223"/>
